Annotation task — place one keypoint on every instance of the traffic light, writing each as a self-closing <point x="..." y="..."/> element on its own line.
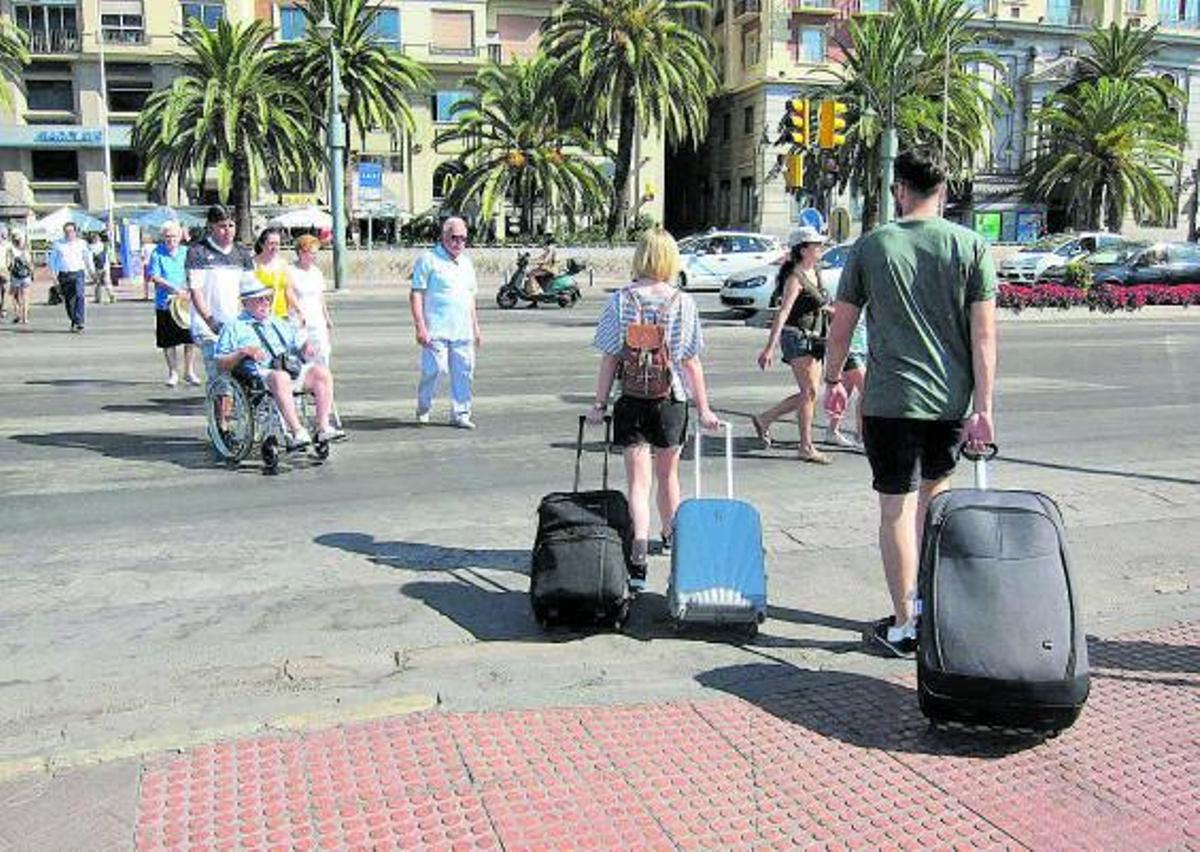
<point x="796" y="121"/>
<point x="829" y="134"/>
<point x="793" y="174"/>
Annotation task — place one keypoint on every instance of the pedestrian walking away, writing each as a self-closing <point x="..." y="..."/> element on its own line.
<point x="442" y="302"/>
<point x="928" y="288"/>
<point x="20" y="273"/>
<point x="101" y="274"/>
<point x="168" y="272"/>
<point x="70" y="263"/>
<point x="214" y="268"/>
<point x="650" y="337"/>
<point x="799" y="330"/>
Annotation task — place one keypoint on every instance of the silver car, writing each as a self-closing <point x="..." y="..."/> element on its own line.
<point x="756" y="289"/>
<point x="1028" y="264"/>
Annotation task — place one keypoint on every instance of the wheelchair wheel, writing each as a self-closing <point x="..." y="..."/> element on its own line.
<point x="234" y="442"/>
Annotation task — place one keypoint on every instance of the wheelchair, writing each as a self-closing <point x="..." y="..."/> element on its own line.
<point x="254" y="420"/>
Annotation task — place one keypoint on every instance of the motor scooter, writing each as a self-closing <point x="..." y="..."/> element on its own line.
<point x="561" y="290"/>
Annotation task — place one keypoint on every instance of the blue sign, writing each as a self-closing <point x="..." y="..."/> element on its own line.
<point x="812" y="217"/>
<point x="69" y="137"/>
<point x="370" y="181"/>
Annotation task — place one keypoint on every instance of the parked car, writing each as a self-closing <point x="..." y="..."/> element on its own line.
<point x="1139" y="263"/>
<point x="1052" y="252"/>
<point x="756" y="289"/>
<point x="708" y="259"/>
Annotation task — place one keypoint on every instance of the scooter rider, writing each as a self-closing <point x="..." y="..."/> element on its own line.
<point x="545" y="266"/>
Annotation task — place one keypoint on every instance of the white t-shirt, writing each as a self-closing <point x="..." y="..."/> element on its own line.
<point x="309" y="285"/>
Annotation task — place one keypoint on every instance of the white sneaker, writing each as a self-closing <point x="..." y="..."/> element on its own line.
<point x="192" y="379"/>
<point x="835" y="437"/>
<point x="332" y="433"/>
<point x="462" y="421"/>
<point x="299" y="440"/>
<point x="172" y="379"/>
<point x="422" y="416"/>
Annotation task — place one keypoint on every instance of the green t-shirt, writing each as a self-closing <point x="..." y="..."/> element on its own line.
<point x="917" y="279"/>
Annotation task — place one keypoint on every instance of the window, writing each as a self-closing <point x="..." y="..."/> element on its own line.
<point x="122" y="29"/>
<point x="726" y="126"/>
<point x="126" y="166"/>
<point x="50" y="95"/>
<point x="746" y="200"/>
<point x="385" y="27"/>
<point x="51" y="28"/>
<point x="870" y="5"/>
<point x="750" y="43"/>
<point x="724" y="201"/>
<point x="209" y="14"/>
<point x="812" y="44"/>
<point x="445" y="177"/>
<point x="292" y="23"/>
<point x="55" y="165"/>
<point x="748" y="120"/>
<point x="1135" y="7"/>
<point x="128" y="96"/>
<point x="444" y="101"/>
<point x="453" y="32"/>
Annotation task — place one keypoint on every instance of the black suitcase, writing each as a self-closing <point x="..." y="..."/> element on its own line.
<point x="1000" y="641"/>
<point x="579" y="572"/>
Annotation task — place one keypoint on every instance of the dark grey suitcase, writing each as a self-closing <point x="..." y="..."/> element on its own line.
<point x="579" y="573"/>
<point x="1000" y="642"/>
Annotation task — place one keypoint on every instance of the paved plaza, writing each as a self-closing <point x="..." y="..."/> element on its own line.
<point x="343" y="656"/>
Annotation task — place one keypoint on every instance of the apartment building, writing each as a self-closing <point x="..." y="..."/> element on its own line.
<point x="768" y="50"/>
<point x="52" y="142"/>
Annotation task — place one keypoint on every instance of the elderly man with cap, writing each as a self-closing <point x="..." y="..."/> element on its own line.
<point x="262" y="341"/>
<point x="799" y="330"/>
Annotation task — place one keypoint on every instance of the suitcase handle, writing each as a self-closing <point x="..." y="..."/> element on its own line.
<point x="980" y="461"/>
<point x="579" y="448"/>
<point x="727" y="427"/>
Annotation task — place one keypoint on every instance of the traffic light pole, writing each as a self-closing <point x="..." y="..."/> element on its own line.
<point x="887" y="168"/>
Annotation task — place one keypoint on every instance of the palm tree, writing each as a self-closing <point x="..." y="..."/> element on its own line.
<point x="375" y="76"/>
<point x="1107" y="148"/>
<point x="516" y="145"/>
<point x="639" y="63"/>
<point x="14" y="55"/>
<point x="231" y="108"/>
<point x="1123" y="53"/>
<point x="878" y="72"/>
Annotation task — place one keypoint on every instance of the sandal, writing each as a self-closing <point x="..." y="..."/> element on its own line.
<point x="763" y="432"/>
<point x="815" y="457"/>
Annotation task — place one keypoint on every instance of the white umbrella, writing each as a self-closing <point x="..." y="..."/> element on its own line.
<point x="50" y="226"/>
<point x="303" y="217"/>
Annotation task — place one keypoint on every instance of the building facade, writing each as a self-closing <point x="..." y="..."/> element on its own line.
<point x="771" y="50"/>
<point x="52" y="141"/>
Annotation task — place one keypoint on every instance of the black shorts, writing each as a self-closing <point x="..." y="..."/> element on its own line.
<point x="899" y="449"/>
<point x="662" y="423"/>
<point x="167" y="333"/>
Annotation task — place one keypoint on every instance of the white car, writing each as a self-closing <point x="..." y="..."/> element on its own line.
<point x="756" y="290"/>
<point x="1027" y="265"/>
<point x="708" y="259"/>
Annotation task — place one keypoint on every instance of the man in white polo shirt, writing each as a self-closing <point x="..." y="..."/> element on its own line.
<point x="443" y="310"/>
<point x="71" y="264"/>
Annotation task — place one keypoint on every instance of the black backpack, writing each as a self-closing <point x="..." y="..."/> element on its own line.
<point x="19" y="268"/>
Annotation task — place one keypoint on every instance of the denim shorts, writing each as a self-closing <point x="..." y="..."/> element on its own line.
<point x="794" y="343"/>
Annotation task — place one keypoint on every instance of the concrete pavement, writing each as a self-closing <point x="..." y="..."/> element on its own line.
<point x="154" y="601"/>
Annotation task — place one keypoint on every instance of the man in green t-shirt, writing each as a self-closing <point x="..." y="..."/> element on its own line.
<point x="929" y="290"/>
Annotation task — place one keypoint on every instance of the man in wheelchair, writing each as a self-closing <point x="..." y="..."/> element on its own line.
<point x="261" y="351"/>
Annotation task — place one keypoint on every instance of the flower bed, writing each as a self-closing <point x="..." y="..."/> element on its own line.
<point x="1103" y="297"/>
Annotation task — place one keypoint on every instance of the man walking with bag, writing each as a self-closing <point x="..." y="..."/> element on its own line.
<point x="929" y="290"/>
<point x="442" y="302"/>
<point x="71" y="265"/>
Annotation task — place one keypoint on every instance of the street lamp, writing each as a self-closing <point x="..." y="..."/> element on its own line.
<point x="335" y="137"/>
<point x="889" y="143"/>
<point x="110" y="198"/>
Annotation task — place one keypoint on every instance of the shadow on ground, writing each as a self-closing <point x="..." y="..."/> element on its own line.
<point x="186" y="452"/>
<point x="417" y="556"/>
<point x="856" y="709"/>
<point x="177" y="405"/>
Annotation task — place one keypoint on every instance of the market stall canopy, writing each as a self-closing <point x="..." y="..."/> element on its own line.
<point x="303" y="217"/>
<point x="50" y="226"/>
<point x="153" y="220"/>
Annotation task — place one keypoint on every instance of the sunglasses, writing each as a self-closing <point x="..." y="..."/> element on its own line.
<point x="457" y="238"/>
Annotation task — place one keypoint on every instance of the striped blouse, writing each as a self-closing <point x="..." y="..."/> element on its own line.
<point x="684" y="338"/>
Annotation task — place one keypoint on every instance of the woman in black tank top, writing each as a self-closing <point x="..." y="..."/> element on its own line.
<point x="799" y="329"/>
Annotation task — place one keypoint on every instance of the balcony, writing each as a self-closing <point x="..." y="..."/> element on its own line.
<point x="43" y="42"/>
<point x="806" y="5"/>
<point x="746" y="8"/>
<point x="120" y="37"/>
<point x="436" y="53"/>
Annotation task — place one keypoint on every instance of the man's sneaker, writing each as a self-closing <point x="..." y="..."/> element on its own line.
<point x="894" y="641"/>
<point x="637" y="577"/>
<point x="835" y="437"/>
<point x="192" y="379"/>
<point x="462" y="421"/>
<point x="299" y="440"/>
<point x="422" y="416"/>
<point x="172" y="379"/>
<point x="330" y="433"/>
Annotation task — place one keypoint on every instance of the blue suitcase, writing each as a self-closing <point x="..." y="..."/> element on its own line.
<point x="718" y="575"/>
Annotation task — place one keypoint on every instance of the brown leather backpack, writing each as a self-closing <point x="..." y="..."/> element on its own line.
<point x="645" y="366"/>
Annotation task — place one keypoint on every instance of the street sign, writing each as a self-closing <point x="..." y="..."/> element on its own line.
<point x="370" y="182"/>
<point x="812" y="217"/>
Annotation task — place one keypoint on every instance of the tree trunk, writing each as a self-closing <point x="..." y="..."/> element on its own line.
<point x="617" y="213"/>
<point x="349" y="175"/>
<point x="242" y="202"/>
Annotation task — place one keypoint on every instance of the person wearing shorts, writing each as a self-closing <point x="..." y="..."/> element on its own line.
<point x="652" y="431"/>
<point x="929" y="291"/>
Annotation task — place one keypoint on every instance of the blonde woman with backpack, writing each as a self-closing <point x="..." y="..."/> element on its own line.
<point x="649" y="334"/>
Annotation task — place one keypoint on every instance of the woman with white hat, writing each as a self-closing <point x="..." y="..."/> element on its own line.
<point x="799" y="331"/>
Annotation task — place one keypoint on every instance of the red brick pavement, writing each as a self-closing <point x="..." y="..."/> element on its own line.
<point x="790" y="758"/>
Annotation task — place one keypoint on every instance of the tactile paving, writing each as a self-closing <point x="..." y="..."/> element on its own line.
<point x="789" y="758"/>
